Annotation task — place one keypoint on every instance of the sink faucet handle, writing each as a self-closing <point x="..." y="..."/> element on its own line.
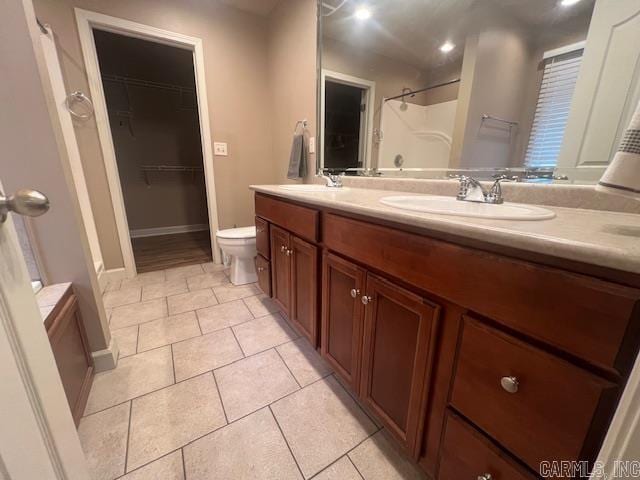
<point x="495" y="193"/>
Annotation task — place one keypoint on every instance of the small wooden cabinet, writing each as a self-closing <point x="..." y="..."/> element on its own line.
<point x="341" y="338"/>
<point x="294" y="280"/>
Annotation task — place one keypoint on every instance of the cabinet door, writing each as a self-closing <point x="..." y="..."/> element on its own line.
<point x="341" y="338"/>
<point x="399" y="335"/>
<point x="304" y="288"/>
<point x="263" y="269"/>
<point x="262" y="238"/>
<point x="280" y="269"/>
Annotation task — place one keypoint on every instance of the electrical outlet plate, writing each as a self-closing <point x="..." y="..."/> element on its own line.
<point x="220" y="149"/>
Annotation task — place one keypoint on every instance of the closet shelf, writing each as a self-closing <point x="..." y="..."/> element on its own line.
<point x="145" y="169"/>
<point x="147" y="83"/>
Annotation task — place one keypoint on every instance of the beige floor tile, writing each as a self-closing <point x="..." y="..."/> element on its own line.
<point x="223" y="316"/>
<point x="167" y="330"/>
<point x="186" y="302"/>
<point x="136" y="313"/>
<point x="213" y="267"/>
<point x="252" y="383"/>
<point x="124" y="296"/>
<point x="183" y="272"/>
<point x="168" y="467"/>
<point x="251" y="448"/>
<point x="172" y="417"/>
<point x="141" y="279"/>
<point x="377" y="459"/>
<point x="164" y="289"/>
<point x="134" y="376"/>
<point x="303" y="361"/>
<point x="263" y="333"/>
<point x="343" y="469"/>
<point x="226" y="293"/>
<point x="206" y="280"/>
<point x="321" y="423"/>
<point x="126" y="339"/>
<point x="201" y="354"/>
<point x="103" y="437"/>
<point x="261" y="305"/>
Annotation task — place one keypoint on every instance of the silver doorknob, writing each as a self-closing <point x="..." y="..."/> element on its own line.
<point x="31" y="203"/>
<point x="486" y="476"/>
<point x="366" y="299"/>
<point x="355" y="292"/>
<point x="510" y="384"/>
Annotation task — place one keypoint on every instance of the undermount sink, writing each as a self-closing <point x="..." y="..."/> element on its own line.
<point x="310" y="188"/>
<point x="451" y="206"/>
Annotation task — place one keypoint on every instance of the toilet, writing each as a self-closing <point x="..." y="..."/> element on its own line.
<point x="240" y="245"/>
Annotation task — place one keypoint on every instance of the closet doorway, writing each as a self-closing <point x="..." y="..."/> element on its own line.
<point x="150" y="100"/>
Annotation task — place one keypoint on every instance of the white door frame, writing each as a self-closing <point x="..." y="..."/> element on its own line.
<point x="87" y="21"/>
<point x="370" y="96"/>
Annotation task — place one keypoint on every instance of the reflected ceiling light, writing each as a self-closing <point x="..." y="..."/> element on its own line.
<point x="568" y="3"/>
<point x="362" y="13"/>
<point x="447" y="47"/>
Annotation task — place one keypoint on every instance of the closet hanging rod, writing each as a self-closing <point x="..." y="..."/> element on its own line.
<point x="430" y="87"/>
<point x="498" y="119"/>
<point x="147" y="83"/>
<point x="170" y="168"/>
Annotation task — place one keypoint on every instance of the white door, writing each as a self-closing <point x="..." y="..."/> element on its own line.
<point x="38" y="439"/>
<point x="607" y="91"/>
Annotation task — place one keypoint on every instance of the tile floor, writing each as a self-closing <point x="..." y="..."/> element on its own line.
<point x="212" y="383"/>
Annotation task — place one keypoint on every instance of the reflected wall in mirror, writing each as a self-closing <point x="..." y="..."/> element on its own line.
<point x="538" y="90"/>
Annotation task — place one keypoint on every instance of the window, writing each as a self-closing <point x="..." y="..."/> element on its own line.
<point x="552" y="110"/>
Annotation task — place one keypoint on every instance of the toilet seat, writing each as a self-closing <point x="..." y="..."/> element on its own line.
<point x="237" y="233"/>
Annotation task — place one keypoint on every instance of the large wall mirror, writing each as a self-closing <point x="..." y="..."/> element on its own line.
<point x="540" y="90"/>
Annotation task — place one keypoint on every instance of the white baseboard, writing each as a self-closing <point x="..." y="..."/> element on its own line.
<point x="106" y="359"/>
<point x="153" y="232"/>
<point x="113" y="275"/>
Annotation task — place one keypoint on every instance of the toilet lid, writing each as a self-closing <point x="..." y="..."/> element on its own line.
<point x="242" y="232"/>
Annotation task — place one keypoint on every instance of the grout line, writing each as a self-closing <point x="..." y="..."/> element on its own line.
<point x="126" y="452"/>
<point x="286" y="441"/>
<point x="354" y="465"/>
<point x="215" y="380"/>
<point x="173" y="365"/>
<point x="285" y="364"/>
<point x="184" y="466"/>
<point x="137" y="338"/>
<point x="244" y="355"/>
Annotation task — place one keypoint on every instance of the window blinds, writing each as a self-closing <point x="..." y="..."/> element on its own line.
<point x="554" y="101"/>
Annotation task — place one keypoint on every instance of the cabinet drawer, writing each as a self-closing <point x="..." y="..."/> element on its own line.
<point x="546" y="407"/>
<point x="466" y="453"/>
<point x="262" y="237"/>
<point x="302" y="221"/>
<point x="581" y="315"/>
<point x="263" y="269"/>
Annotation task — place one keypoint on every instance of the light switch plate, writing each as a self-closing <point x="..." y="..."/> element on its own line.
<point x="220" y="149"/>
<point x="312" y="145"/>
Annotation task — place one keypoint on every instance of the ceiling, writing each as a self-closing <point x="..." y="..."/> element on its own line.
<point x="413" y="30"/>
<point x="257" y="7"/>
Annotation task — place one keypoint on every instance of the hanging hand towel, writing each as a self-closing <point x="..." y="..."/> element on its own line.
<point x="622" y="177"/>
<point x="299" y="155"/>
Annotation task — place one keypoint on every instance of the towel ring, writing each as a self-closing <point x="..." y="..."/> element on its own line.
<point x="78" y="97"/>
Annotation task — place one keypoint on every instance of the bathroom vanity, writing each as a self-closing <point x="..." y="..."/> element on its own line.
<point x="483" y="347"/>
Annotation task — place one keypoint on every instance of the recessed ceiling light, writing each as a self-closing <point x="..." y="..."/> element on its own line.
<point x="447" y="47"/>
<point x="362" y="13"/>
<point x="568" y="3"/>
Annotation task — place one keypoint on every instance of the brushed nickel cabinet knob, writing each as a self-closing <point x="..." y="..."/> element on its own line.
<point x="485" y="476"/>
<point x="510" y="384"/>
<point x="366" y="299"/>
<point x="355" y="292"/>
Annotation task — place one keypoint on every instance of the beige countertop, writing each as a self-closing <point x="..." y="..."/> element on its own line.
<point x="606" y="239"/>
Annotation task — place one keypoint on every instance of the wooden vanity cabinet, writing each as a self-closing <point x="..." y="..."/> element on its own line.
<point x="281" y="269"/>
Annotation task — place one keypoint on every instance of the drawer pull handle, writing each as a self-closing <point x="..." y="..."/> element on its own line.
<point x="486" y="476"/>
<point x="261" y="269"/>
<point x="510" y="384"/>
<point x="366" y="299"/>
<point x="355" y="292"/>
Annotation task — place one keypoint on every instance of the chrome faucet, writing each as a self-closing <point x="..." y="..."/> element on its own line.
<point x="472" y="191"/>
<point x="332" y="180"/>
